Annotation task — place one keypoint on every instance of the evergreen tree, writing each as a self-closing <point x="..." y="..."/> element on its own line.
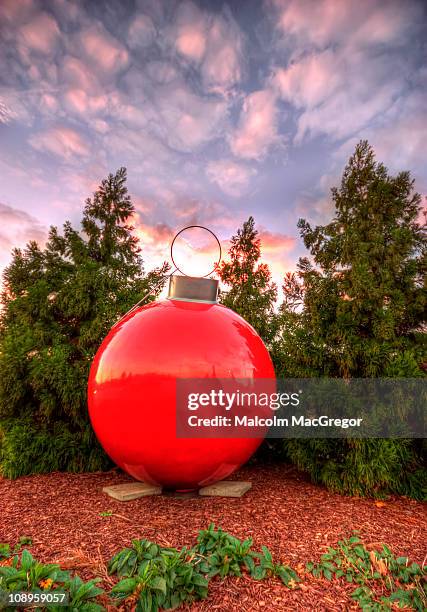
<point x="251" y="292"/>
<point x="58" y="303"/>
<point x="356" y="308"/>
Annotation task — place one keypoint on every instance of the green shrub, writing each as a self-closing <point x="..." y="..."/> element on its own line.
<point x="356" y="308"/>
<point x="26" y="449"/>
<point x="360" y="467"/>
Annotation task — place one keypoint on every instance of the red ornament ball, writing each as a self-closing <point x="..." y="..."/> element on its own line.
<point x="132" y="389"/>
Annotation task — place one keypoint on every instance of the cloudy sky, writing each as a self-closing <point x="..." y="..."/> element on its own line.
<point x="218" y="110"/>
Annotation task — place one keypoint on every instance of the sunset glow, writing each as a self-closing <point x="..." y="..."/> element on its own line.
<point x="217" y="111"/>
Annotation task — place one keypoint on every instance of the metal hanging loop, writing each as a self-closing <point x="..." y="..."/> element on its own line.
<point x="144" y="297"/>
<point x="210" y="232"/>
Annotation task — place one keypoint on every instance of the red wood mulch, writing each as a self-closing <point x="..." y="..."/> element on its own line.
<point x="295" y="519"/>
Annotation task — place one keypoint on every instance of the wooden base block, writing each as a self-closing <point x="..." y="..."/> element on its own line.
<point x="131" y="490"/>
<point x="226" y="488"/>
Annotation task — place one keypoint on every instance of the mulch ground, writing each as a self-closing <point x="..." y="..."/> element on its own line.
<point x="295" y="519"/>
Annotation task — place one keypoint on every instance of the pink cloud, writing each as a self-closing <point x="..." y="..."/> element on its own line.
<point x="211" y="213"/>
<point x="82" y="180"/>
<point x="191" y="42"/>
<point x="78" y="75"/>
<point x="257" y="130"/>
<point x="188" y="210"/>
<point x="326" y="22"/>
<point x="400" y="141"/>
<point x="275" y="243"/>
<point x="315" y="21"/>
<point x="134" y="116"/>
<point x="310" y="81"/>
<point x="143" y="205"/>
<point x="161" y="72"/>
<point x="17" y="227"/>
<point x="102" y="49"/>
<point x="327" y="84"/>
<point x="100" y="126"/>
<point x="384" y="23"/>
<point x="276" y="251"/>
<point x="141" y="32"/>
<point x="159" y="234"/>
<point x="189" y="31"/>
<point x="215" y="42"/>
<point x="188" y="121"/>
<point x="222" y="67"/>
<point x="348" y="111"/>
<point x="78" y="101"/>
<point x="196" y="251"/>
<point x="317" y="208"/>
<point x="335" y="100"/>
<point x="155" y="240"/>
<point x="17" y="12"/>
<point x="69" y="11"/>
<point x="338" y="75"/>
<point x="62" y="141"/>
<point x="231" y="177"/>
<point x="41" y="34"/>
<point x="149" y="154"/>
<point x="180" y="211"/>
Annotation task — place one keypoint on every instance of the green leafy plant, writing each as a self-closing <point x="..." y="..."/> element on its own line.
<point x="82" y="595"/>
<point x="224" y="555"/>
<point x="267" y="567"/>
<point x="156" y="577"/>
<point x="153" y="578"/>
<point x="127" y="561"/>
<point x="4" y="551"/>
<point x="24" y="541"/>
<point x="352" y="561"/>
<point x="24" y="573"/>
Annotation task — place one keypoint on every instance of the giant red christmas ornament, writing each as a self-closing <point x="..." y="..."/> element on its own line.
<point x="132" y="384"/>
